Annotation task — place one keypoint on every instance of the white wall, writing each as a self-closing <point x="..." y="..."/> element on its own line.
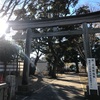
<point x="41" y="67"/>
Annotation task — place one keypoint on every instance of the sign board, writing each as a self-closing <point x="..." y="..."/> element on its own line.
<point x="92" y="76"/>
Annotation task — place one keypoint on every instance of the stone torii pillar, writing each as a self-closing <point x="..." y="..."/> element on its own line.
<point x="27" y="57"/>
<point x="86" y="41"/>
<point x="92" y="92"/>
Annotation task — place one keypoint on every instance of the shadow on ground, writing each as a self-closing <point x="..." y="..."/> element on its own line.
<point x="46" y="91"/>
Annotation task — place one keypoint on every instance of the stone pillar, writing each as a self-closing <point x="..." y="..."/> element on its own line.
<point x="27" y="58"/>
<point x="86" y="41"/>
<point x="92" y="90"/>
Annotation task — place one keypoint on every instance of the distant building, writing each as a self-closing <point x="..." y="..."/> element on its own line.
<point x="41" y="66"/>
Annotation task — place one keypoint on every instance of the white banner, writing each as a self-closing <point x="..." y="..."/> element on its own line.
<point x="92" y="76"/>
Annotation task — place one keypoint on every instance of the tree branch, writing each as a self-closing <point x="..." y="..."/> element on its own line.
<point x="12" y="10"/>
<point x="11" y="1"/>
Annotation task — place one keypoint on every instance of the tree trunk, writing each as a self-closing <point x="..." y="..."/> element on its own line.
<point x="36" y="60"/>
<point x="54" y="71"/>
<point x="84" y="64"/>
<point x="50" y="71"/>
<point x="77" y="68"/>
<point x="35" y="64"/>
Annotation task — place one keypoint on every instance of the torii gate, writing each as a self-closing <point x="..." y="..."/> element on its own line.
<point x="81" y="19"/>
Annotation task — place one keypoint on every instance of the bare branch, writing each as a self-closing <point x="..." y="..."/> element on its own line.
<point x="3" y="6"/>
<point x="24" y="4"/>
<point x="11" y="1"/>
<point x="12" y="10"/>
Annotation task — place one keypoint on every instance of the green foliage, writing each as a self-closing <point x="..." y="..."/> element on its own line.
<point x="96" y="51"/>
<point x="8" y="52"/>
<point x="60" y="8"/>
<point x="83" y="10"/>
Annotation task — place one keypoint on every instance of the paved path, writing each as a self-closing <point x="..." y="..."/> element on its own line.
<point x="66" y="87"/>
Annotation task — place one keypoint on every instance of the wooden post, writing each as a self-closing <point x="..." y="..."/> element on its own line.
<point x="27" y="58"/>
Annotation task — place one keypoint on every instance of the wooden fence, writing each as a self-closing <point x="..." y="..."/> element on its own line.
<point x="12" y="68"/>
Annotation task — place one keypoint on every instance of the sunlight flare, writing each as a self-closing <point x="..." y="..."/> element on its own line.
<point x="3" y="27"/>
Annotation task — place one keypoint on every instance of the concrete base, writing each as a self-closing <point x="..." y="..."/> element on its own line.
<point x="91" y="97"/>
<point x="93" y="94"/>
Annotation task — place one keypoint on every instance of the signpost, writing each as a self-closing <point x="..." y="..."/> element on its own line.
<point x="92" y="75"/>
